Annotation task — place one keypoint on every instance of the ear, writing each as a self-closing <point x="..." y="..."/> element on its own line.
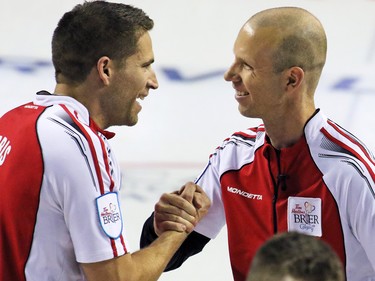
<point x="104" y="69"/>
<point x="294" y="77"/>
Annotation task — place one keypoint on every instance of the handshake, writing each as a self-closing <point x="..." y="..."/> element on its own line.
<point x="181" y="210"/>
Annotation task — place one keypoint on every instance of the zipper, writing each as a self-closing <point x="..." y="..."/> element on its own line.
<point x="279" y="180"/>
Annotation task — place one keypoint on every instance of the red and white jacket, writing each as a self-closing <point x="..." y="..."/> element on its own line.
<point x="59" y="182"/>
<point x="324" y="185"/>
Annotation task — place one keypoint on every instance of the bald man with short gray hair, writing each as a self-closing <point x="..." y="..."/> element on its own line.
<point x="297" y="171"/>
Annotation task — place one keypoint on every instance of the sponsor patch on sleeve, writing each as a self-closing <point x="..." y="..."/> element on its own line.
<point x="305" y="215"/>
<point x="109" y="213"/>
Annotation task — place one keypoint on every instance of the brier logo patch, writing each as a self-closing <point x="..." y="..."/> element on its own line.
<point x="305" y="215"/>
<point x="109" y="213"/>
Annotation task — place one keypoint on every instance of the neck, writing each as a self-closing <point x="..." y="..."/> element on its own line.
<point x="85" y="97"/>
<point x="286" y="132"/>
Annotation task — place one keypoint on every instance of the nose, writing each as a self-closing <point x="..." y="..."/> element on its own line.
<point x="153" y="81"/>
<point x="231" y="74"/>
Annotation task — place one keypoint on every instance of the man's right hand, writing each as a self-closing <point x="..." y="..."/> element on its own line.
<point x="181" y="210"/>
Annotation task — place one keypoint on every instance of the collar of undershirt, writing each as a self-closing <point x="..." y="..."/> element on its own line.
<point x="92" y="124"/>
<point x="96" y="128"/>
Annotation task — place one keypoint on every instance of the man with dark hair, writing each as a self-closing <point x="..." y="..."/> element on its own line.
<point x="60" y="216"/>
<point x="293" y="256"/>
<point x="298" y="171"/>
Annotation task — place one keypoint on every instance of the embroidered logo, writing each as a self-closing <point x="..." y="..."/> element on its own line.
<point x="29" y="106"/>
<point x="109" y="213"/>
<point x="5" y="149"/>
<point x="244" y="193"/>
<point x="304" y="215"/>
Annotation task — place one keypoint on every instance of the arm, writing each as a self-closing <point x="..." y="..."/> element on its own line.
<point x="145" y="264"/>
<point x="170" y="215"/>
<point x="149" y="263"/>
<point x="194" y="244"/>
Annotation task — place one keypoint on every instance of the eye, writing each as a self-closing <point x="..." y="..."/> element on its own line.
<point x="148" y="63"/>
<point x="247" y="67"/>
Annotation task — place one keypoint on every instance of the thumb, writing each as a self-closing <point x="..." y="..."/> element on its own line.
<point x="188" y="191"/>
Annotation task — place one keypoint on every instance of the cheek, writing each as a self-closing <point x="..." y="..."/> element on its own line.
<point x="249" y="80"/>
<point x="127" y="89"/>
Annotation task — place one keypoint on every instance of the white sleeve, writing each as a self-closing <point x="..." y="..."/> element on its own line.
<point x="360" y="211"/>
<point x="77" y="173"/>
<point x="209" y="180"/>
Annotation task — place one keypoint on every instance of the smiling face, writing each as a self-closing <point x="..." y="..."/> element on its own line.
<point x="258" y="87"/>
<point x="131" y="83"/>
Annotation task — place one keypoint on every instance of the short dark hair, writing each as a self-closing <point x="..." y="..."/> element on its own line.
<point x="298" y="256"/>
<point x="95" y="29"/>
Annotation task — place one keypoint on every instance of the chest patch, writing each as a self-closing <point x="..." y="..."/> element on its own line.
<point x="305" y="215"/>
<point x="109" y="213"/>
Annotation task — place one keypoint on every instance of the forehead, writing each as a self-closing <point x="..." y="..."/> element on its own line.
<point x="255" y="43"/>
<point x="144" y="42"/>
<point x="144" y="50"/>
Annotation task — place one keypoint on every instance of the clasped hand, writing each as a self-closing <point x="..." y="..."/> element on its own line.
<point x="181" y="210"/>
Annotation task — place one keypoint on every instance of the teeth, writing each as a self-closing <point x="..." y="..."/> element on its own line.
<point x="242" y="94"/>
